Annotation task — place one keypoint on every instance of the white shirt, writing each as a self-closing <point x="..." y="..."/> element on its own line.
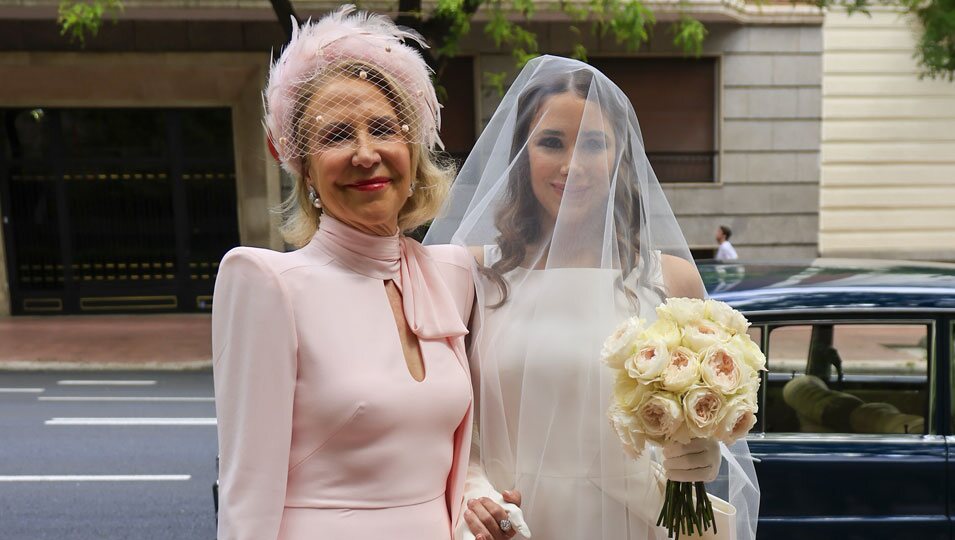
<point x="726" y="252"/>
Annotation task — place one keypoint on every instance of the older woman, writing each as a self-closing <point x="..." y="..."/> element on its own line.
<point x="342" y="387"/>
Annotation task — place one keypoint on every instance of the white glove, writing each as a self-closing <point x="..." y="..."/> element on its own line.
<point x="514" y="515"/>
<point x="697" y="461"/>
<point x="476" y="486"/>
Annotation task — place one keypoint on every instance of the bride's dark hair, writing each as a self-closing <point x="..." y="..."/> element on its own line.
<point x="519" y="216"/>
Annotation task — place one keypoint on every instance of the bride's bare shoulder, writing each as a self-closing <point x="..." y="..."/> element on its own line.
<point x="681" y="277"/>
<point x="478" y="253"/>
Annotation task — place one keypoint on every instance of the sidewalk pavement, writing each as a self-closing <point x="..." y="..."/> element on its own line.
<point x="93" y="342"/>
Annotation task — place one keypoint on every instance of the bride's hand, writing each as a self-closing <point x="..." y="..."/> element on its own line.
<point x="484" y="517"/>
<point x="697" y="461"/>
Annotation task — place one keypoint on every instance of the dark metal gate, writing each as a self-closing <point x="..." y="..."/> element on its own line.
<point x="115" y="210"/>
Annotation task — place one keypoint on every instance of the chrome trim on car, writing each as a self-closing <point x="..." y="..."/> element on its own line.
<point x="843" y="438"/>
<point x="842" y="309"/>
<point x="855" y="520"/>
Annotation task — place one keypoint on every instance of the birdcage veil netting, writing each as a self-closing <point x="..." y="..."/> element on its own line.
<point x="318" y="80"/>
<point x="572" y="233"/>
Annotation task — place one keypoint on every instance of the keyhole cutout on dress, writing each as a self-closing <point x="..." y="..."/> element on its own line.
<point x="409" y="342"/>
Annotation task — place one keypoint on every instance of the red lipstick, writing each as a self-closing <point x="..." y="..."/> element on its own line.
<point x="371" y="184"/>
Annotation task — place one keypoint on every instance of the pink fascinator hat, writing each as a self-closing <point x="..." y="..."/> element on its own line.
<point x="347" y="44"/>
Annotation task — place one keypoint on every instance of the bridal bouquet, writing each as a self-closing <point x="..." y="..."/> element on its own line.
<point x="693" y="373"/>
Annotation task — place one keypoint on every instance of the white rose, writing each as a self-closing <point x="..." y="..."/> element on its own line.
<point x="666" y="330"/>
<point x="628" y="430"/>
<point x="649" y="360"/>
<point x="704" y="408"/>
<point x="619" y="346"/>
<point x="727" y="317"/>
<point x="682" y="371"/>
<point x="682" y="311"/>
<point x="660" y="415"/>
<point x="753" y="357"/>
<point x="703" y="334"/>
<point x="723" y="368"/>
<point x="627" y="391"/>
<point x="739" y="418"/>
<point x="750" y="388"/>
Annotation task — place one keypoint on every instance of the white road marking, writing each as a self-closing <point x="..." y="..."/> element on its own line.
<point x="97" y="478"/>
<point x="124" y="398"/>
<point x="20" y="390"/>
<point x="104" y="383"/>
<point x="131" y="422"/>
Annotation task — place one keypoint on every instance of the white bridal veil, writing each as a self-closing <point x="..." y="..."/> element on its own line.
<point x="572" y="233"/>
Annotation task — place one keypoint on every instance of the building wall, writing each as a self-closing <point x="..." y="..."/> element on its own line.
<point x="162" y="80"/>
<point x="66" y="79"/>
<point x="769" y="128"/>
<point x="888" y="149"/>
<point x="770" y="136"/>
<point x="768" y="123"/>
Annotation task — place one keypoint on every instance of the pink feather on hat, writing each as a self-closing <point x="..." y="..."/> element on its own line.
<point x="348" y="35"/>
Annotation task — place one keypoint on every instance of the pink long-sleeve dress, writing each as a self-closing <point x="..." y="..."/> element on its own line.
<point x="323" y="432"/>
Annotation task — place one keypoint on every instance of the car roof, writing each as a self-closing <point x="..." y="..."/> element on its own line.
<point x="847" y="284"/>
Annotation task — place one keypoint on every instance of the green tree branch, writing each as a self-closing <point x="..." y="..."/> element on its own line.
<point x="630" y="22"/>
<point x="78" y="19"/>
<point x="935" y="40"/>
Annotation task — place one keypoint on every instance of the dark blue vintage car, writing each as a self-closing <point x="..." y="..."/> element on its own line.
<point x="855" y="432"/>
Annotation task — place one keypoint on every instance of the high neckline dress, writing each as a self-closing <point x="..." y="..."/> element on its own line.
<point x="544" y="396"/>
<point x="323" y="431"/>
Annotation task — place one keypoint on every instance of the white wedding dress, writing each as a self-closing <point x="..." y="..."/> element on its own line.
<point x="552" y="440"/>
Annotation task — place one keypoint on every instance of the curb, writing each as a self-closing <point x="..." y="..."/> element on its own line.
<point x="53" y="365"/>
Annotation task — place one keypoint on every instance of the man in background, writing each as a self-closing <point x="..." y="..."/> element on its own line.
<point x="725" y="252"/>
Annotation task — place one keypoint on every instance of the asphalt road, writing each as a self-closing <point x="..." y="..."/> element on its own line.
<point x="100" y="467"/>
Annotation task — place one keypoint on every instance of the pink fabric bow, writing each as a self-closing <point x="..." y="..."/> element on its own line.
<point x="427" y="303"/>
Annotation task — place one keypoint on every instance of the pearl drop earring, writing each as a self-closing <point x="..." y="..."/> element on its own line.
<point x="313" y="198"/>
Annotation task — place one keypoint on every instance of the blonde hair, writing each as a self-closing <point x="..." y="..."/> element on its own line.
<point x="432" y="177"/>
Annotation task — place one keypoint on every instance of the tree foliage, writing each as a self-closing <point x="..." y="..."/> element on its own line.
<point x="935" y="49"/>
<point x="80" y="19"/>
<point x="630" y="22"/>
<point x="935" y="39"/>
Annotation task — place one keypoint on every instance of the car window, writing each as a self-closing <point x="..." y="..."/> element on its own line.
<point x="756" y="334"/>
<point x="847" y="378"/>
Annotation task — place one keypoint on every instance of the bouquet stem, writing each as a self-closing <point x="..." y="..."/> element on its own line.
<point x="686" y="510"/>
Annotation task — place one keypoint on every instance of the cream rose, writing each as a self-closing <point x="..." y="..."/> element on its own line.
<point x="704" y="408"/>
<point x="750" y="387"/>
<point x="682" y="371"/>
<point x="722" y="368"/>
<point x="627" y="391"/>
<point x="682" y="311"/>
<point x="752" y="356"/>
<point x="660" y="415"/>
<point x="739" y="418"/>
<point x="628" y="430"/>
<point x="725" y="316"/>
<point x="649" y="360"/>
<point x="620" y="345"/>
<point x="704" y="334"/>
<point x="666" y="330"/>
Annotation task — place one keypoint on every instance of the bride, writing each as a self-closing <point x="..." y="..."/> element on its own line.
<point x="572" y="233"/>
